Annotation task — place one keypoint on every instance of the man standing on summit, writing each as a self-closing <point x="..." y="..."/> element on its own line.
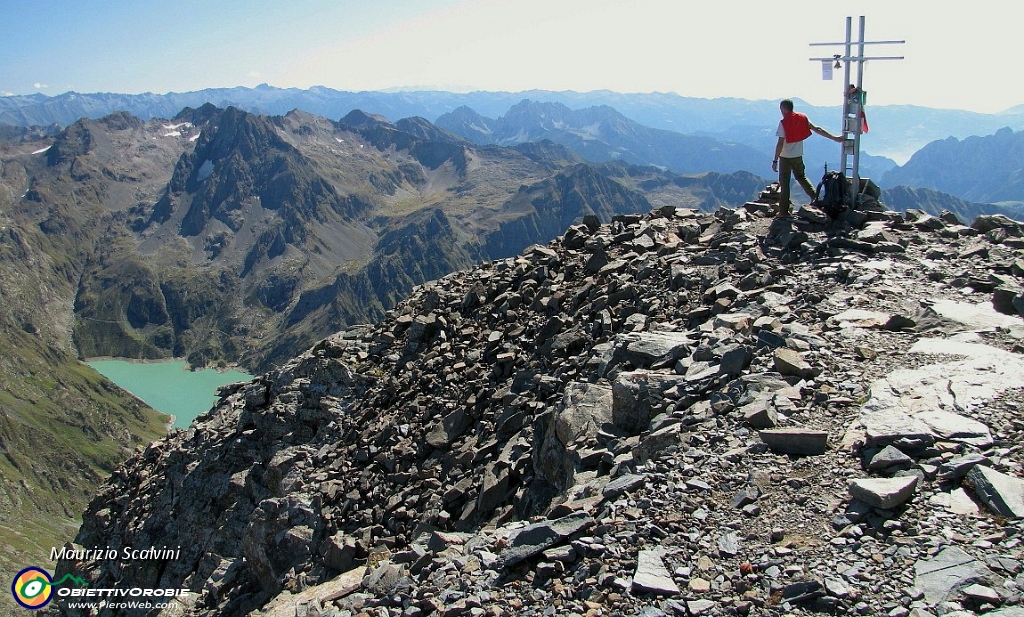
<point x="794" y="128"/>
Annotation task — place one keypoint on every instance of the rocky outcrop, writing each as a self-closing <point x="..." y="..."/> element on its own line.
<point x="934" y="202"/>
<point x="676" y="413"/>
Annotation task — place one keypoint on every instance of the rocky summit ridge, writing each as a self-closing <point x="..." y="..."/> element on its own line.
<point x="677" y="413"/>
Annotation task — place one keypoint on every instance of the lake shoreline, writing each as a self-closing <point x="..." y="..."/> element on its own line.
<point x="169" y="386"/>
<point x="234" y="366"/>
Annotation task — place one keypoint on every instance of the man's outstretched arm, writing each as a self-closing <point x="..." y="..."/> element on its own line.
<point x="824" y="133"/>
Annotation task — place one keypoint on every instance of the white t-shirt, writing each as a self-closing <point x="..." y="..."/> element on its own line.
<point x="790" y="149"/>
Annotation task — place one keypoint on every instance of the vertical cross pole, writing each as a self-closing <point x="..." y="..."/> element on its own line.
<point x="856" y="108"/>
<point x="847" y="145"/>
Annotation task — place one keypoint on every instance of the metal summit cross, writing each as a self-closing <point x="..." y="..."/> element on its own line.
<point x="853" y="97"/>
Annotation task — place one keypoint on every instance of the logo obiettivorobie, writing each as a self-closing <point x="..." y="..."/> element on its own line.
<point x="33" y="587"/>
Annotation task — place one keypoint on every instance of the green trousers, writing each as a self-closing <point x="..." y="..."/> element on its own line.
<point x="793" y="166"/>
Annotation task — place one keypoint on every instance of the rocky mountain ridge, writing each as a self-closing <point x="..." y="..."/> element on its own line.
<point x="679" y="413"/>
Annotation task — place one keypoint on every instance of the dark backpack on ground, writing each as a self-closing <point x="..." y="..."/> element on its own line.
<point x="831" y="194"/>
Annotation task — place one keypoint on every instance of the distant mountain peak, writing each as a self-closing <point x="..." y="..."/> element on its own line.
<point x="600" y="134"/>
<point x="359" y="119"/>
<point x="424" y="129"/>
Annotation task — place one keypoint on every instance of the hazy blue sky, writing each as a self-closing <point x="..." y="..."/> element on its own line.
<point x="960" y="55"/>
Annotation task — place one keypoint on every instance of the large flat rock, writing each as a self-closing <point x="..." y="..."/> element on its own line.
<point x="1001" y="493"/>
<point x="860" y="318"/>
<point x="790" y="362"/>
<point x="886" y="426"/>
<point x="954" y="427"/>
<point x="800" y="441"/>
<point x="978" y="316"/>
<point x="652" y="576"/>
<point x="942" y="577"/>
<point x="646" y="348"/>
<point x="933" y="402"/>
<point x="528" y="541"/>
<point x="286" y="605"/>
<point x="884" y="493"/>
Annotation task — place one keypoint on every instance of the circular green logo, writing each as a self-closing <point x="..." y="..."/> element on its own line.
<point x="32" y="588"/>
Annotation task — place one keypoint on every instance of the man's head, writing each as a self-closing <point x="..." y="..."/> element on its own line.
<point x="786" y="106"/>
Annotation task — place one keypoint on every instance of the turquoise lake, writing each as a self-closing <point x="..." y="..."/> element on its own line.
<point x="169" y="386"/>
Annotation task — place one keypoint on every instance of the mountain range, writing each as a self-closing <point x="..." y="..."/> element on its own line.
<point x="247" y="230"/>
<point x="986" y="169"/>
<point x="897" y="131"/>
<point x="602" y="134"/>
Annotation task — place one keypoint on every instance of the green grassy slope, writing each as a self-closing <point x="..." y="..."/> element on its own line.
<point x="63" y="427"/>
